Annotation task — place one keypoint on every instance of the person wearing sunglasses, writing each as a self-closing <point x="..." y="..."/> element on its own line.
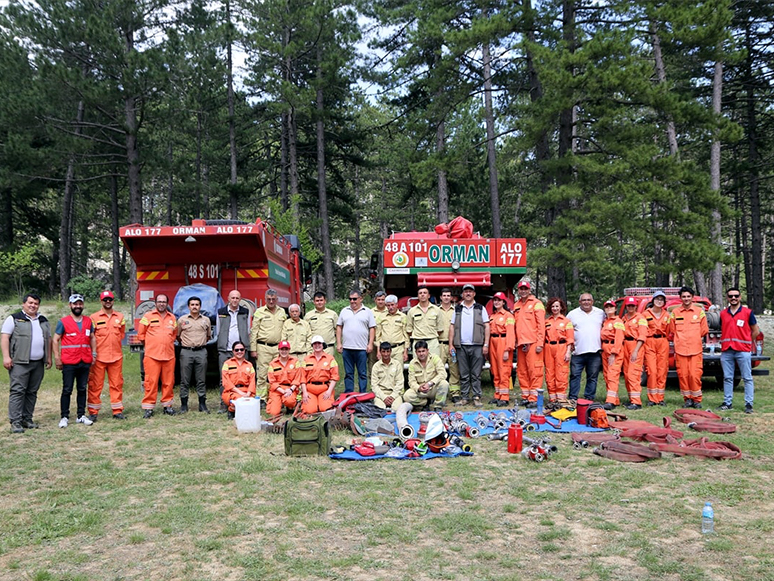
<point x="109" y="330"/>
<point x="238" y="377"/>
<point x="738" y="332"/>
<point x="355" y="334"/>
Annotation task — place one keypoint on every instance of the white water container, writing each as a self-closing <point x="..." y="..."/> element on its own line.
<point x="247" y="414"/>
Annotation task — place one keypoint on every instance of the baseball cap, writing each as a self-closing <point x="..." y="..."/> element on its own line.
<point x="283" y="345"/>
<point x="630" y="301"/>
<point x="384" y="345"/>
<point x="659" y="293"/>
<point x="74" y="298"/>
<point x="499" y="295"/>
<point x="524" y="284"/>
<point x="317" y="339"/>
<point x="609" y="304"/>
<point x="106" y="295"/>
<point x="468" y="286"/>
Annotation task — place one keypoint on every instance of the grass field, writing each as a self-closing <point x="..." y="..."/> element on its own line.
<point x="189" y="498"/>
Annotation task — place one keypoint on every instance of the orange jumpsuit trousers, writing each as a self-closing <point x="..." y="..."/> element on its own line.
<point x="657" y="354"/>
<point x="689" y="371"/>
<point x="115" y="376"/>
<point x="155" y="369"/>
<point x="559" y="336"/>
<point x="612" y="344"/>
<point x="501" y="339"/>
<point x="318" y="374"/>
<point x="283" y="376"/>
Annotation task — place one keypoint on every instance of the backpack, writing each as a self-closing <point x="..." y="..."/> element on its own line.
<point x="307" y="436"/>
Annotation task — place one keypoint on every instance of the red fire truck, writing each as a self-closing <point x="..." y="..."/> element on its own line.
<point x="432" y="259"/>
<point x="210" y="258"/>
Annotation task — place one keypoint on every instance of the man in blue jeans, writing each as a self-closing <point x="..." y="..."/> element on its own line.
<point x="587" y="321"/>
<point x="738" y="331"/>
<point x="355" y="331"/>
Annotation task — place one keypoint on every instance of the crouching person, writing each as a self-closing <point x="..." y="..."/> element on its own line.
<point x="284" y="381"/>
<point x="387" y="379"/>
<point x="318" y="382"/>
<point x="238" y="377"/>
<point x="427" y="380"/>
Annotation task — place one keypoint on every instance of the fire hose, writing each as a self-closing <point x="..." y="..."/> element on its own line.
<point x="700" y="447"/>
<point x="592" y="439"/>
<point x="704" y="421"/>
<point x="626" y="451"/>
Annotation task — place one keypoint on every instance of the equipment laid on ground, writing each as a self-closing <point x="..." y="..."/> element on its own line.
<point x="405" y="430"/>
<point x="626" y="451"/>
<point x="307" y="436"/>
<point x="700" y="447"/>
<point x="704" y="421"/>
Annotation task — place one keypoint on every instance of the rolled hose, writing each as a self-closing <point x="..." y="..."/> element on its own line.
<point x="405" y="430"/>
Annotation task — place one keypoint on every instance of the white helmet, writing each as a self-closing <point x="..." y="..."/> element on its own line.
<point x="434" y="427"/>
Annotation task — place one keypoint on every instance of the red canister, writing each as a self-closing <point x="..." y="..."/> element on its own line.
<point x="515" y="434"/>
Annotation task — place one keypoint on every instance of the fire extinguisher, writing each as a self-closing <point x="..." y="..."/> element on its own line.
<point x="515" y="434"/>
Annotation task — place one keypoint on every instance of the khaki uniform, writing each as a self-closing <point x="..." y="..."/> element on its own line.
<point x="264" y="338"/>
<point x="427" y="325"/>
<point x="392" y="328"/>
<point x="193" y="335"/>
<point x="373" y="356"/>
<point x="387" y="381"/>
<point x="418" y="374"/>
<point x="298" y="335"/>
<point x="443" y="339"/>
<point x="324" y="324"/>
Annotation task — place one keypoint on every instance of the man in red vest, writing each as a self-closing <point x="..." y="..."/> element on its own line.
<point x="74" y="349"/>
<point x="738" y="331"/>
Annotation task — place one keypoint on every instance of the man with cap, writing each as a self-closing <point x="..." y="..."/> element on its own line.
<point x="738" y="331"/>
<point x="426" y="379"/>
<point x="355" y="332"/>
<point x="657" y="348"/>
<point x="75" y="347"/>
<point x="318" y="382"/>
<point x="194" y="332"/>
<point x="635" y="334"/>
<point x="285" y="374"/>
<point x="469" y="334"/>
<point x="688" y="324"/>
<point x="391" y="328"/>
<point x="233" y="326"/>
<point x="297" y="332"/>
<point x="424" y="321"/>
<point x="447" y="310"/>
<point x="587" y="325"/>
<point x="380" y="310"/>
<point x="264" y="338"/>
<point x="322" y="321"/>
<point x="109" y="331"/>
<point x="157" y="331"/>
<point x="502" y="338"/>
<point x="387" y="379"/>
<point x="530" y="316"/>
<point x="26" y="342"/>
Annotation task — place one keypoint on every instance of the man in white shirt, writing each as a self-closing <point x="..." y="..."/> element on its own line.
<point x="587" y="321"/>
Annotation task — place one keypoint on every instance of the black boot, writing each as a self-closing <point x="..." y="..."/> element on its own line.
<point x="230" y="415"/>
<point x="203" y="405"/>
<point x="183" y="405"/>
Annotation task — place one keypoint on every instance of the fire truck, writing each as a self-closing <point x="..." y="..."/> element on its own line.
<point x="711" y="346"/>
<point x="435" y="260"/>
<point x="210" y="258"/>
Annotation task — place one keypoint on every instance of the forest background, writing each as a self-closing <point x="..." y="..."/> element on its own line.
<point x="630" y="141"/>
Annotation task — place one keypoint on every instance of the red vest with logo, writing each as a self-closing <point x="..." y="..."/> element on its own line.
<point x="76" y="345"/>
<point x="734" y="335"/>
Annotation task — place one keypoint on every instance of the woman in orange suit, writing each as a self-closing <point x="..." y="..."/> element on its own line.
<point x="560" y="338"/>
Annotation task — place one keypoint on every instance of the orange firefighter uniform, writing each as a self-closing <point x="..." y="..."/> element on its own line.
<point x="109" y="331"/>
<point x="688" y="327"/>
<point x="287" y="377"/>
<point x="657" y="354"/>
<point x="612" y="336"/>
<point x="560" y="337"/>
<point x="238" y="381"/>
<point x="530" y="315"/>
<point x="316" y="380"/>
<point x="635" y="334"/>
<point x="159" y="333"/>
<point x="502" y="342"/>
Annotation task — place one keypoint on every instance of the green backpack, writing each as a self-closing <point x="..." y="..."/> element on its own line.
<point x="307" y="437"/>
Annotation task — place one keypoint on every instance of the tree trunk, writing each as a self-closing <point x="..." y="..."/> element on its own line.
<point x="170" y="182"/>
<point x="284" y="198"/>
<point x="443" y="186"/>
<point x="494" y="194"/>
<point x="661" y="76"/>
<point x="716" y="275"/>
<point x="357" y="226"/>
<point x="198" y="186"/>
<point x="755" y="274"/>
<point x="66" y="219"/>
<point x="322" y="193"/>
<point x="115" y="242"/>
<point x="6" y="218"/>
<point x="233" y="211"/>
